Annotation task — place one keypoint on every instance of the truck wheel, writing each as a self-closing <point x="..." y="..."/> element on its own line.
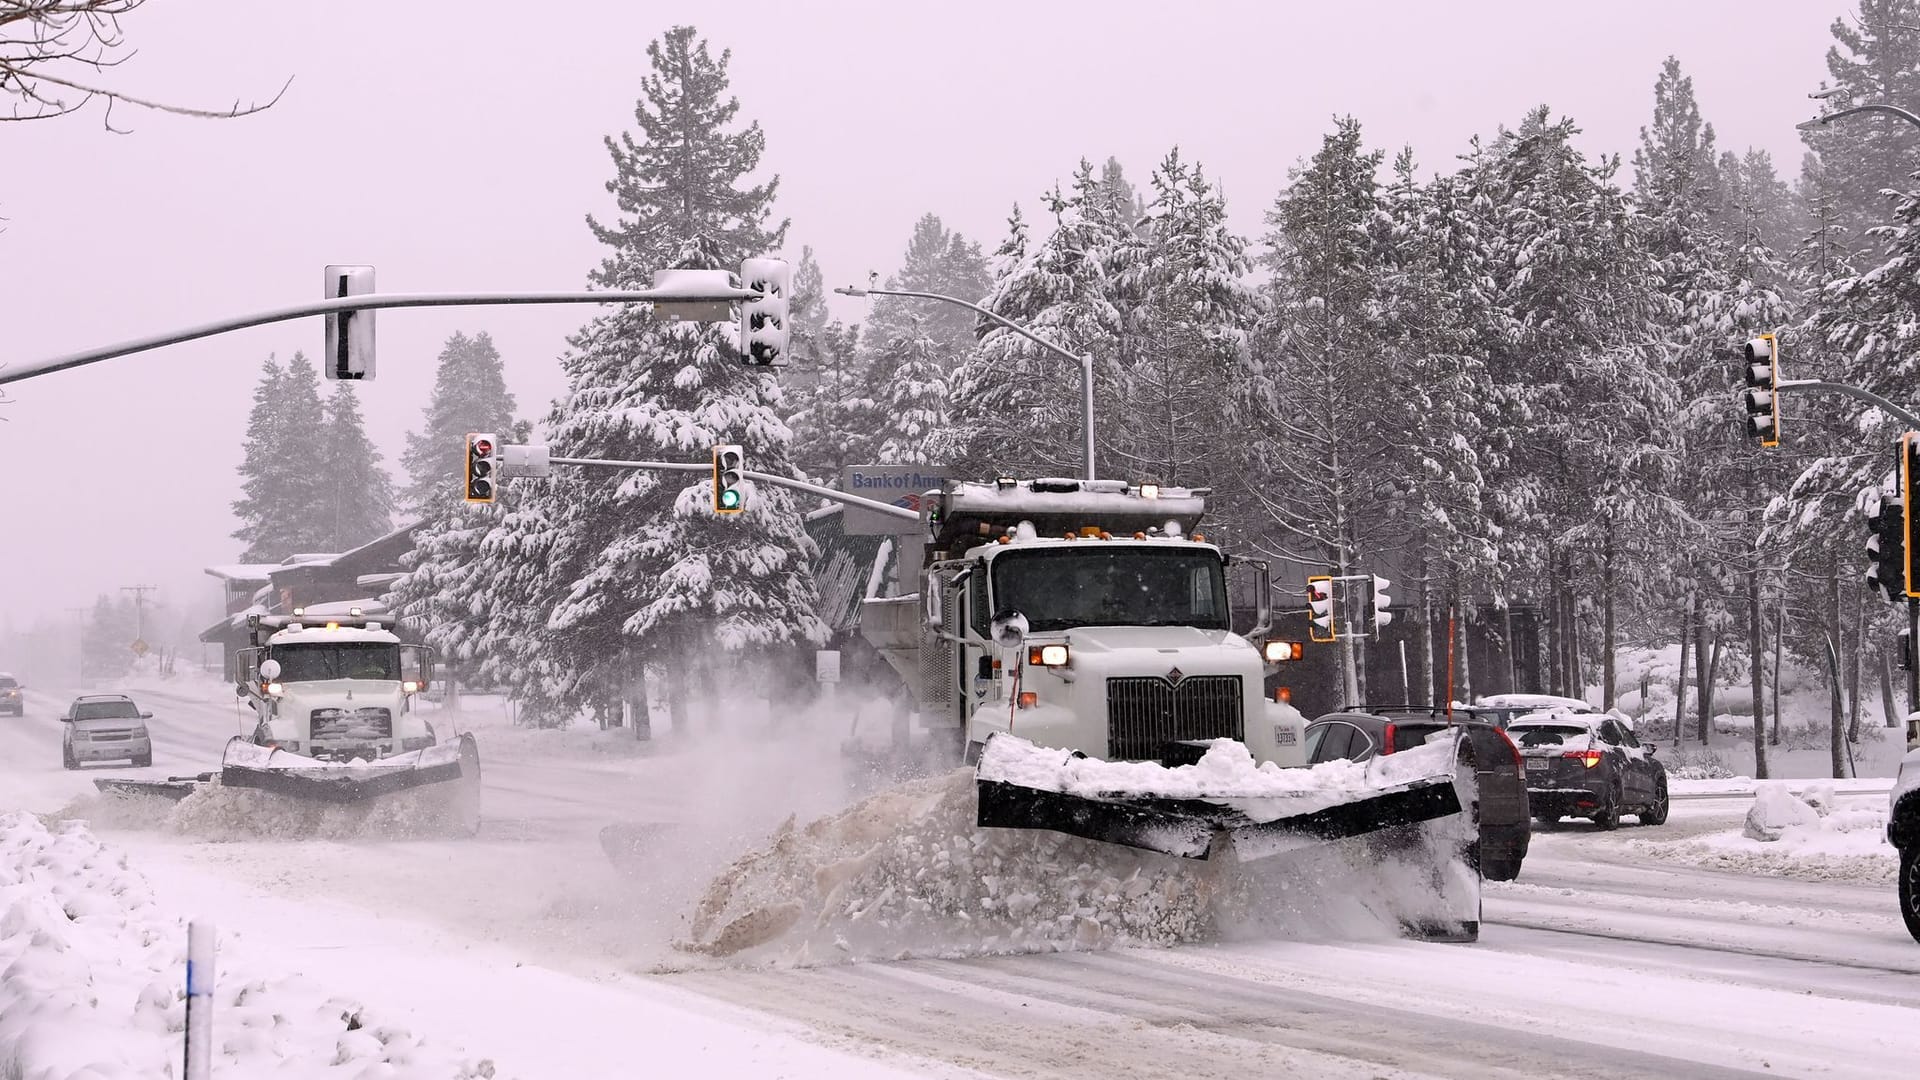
<point x="144" y="761"/>
<point x="66" y="759"/>
<point x="1910" y="888"/>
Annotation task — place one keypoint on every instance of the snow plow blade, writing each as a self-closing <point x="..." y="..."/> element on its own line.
<point x="246" y="765"/>
<point x="1185" y="810"/>
<point x="173" y="788"/>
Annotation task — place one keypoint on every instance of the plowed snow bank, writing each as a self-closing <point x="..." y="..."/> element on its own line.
<point x="222" y="813"/>
<point x="91" y="974"/>
<point x="907" y="873"/>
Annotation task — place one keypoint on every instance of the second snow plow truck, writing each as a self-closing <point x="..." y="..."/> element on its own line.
<point x="1073" y="639"/>
<point x="332" y="695"/>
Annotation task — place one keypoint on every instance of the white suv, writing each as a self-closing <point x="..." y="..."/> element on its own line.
<point x="105" y="727"/>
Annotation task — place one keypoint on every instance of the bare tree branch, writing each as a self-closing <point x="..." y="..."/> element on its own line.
<point x="39" y="36"/>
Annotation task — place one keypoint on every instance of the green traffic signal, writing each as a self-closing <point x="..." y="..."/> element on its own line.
<point x="730" y="500"/>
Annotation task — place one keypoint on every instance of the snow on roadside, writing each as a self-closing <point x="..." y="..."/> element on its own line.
<point x="1807" y="835"/>
<point x="92" y="972"/>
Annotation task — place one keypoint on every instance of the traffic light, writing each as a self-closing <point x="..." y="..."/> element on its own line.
<point x="729" y="465"/>
<point x="1381" y="616"/>
<point x="483" y="466"/>
<point x="1320" y="608"/>
<point x="1762" y="396"/>
<point x="349" y="352"/>
<point x="1886" y="545"/>
<point x="1909" y="508"/>
<point x="763" y="320"/>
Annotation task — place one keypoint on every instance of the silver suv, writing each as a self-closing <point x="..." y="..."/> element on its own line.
<point x="105" y="727"/>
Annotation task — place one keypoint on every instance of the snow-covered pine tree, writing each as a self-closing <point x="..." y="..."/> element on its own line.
<point x="1876" y="59"/>
<point x="937" y="260"/>
<point x="1016" y="403"/>
<point x="469" y="394"/>
<point x="835" y="417"/>
<point x="1178" y="411"/>
<point x="280" y="485"/>
<point x="636" y="565"/>
<point x="1324" y="406"/>
<point x="1587" y="385"/>
<point x="355" y="501"/>
<point x="912" y="401"/>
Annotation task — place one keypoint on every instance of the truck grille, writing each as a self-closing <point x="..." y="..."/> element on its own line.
<point x="367" y="723"/>
<point x="1144" y="714"/>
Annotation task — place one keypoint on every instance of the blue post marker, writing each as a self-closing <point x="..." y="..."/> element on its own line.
<point x="199" y="1048"/>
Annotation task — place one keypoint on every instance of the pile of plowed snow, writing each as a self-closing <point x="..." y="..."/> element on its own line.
<point x="216" y="812"/>
<point x="91" y="979"/>
<point x="907" y="873"/>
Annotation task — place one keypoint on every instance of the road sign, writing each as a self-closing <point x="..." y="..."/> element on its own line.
<point x="139" y="647"/>
<point x="901" y="485"/>
<point x="826" y="665"/>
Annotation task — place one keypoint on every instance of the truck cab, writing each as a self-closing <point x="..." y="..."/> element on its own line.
<point x="335" y="688"/>
<point x="1084" y="615"/>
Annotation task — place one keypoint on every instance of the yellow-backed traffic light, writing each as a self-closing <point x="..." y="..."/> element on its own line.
<point x="1320" y="608"/>
<point x="1762" y="395"/>
<point x="729" y="471"/>
<point x="483" y="466"/>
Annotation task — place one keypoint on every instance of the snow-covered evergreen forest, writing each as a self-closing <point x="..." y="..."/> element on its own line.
<point x="1510" y="375"/>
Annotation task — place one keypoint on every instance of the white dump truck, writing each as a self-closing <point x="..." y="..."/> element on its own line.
<point x="334" y="687"/>
<point x="1091" y="619"/>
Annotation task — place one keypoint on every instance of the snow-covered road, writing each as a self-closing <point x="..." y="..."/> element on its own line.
<point x="1603" y="960"/>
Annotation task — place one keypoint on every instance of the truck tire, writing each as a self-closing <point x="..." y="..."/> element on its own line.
<point x="66" y="759"/>
<point x="1910" y="888"/>
<point x="144" y="761"/>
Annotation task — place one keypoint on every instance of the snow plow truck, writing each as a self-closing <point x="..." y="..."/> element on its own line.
<point x="1072" y="639"/>
<point x="332" y="695"/>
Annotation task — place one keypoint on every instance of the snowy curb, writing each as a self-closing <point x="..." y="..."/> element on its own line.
<point x="92" y="983"/>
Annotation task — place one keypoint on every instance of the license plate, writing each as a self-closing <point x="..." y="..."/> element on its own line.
<point x="1536" y="764"/>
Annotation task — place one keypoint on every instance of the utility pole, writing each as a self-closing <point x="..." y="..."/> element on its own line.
<point x="139" y="610"/>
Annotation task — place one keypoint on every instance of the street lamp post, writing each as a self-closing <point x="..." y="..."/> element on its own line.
<point x="1085" y="362"/>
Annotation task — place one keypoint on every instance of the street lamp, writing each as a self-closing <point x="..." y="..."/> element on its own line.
<point x="1841" y="92"/>
<point x="1085" y="362"/>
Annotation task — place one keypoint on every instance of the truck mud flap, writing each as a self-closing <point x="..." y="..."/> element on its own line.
<point x="173" y="788"/>
<point x="262" y="769"/>
<point x="1189" y="828"/>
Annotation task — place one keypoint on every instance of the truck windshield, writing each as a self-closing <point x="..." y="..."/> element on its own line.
<point x="343" y="660"/>
<point x="1100" y="584"/>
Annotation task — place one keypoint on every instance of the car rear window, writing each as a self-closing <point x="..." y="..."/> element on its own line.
<point x="1548" y="734"/>
<point x="1407" y="736"/>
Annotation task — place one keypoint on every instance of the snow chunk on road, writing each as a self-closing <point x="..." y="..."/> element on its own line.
<point x="92" y="973"/>
<point x="1775" y="810"/>
<point x="907" y="873"/>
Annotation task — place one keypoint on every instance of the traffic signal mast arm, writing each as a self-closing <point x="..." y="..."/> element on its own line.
<point x="1854" y="392"/>
<point x="370" y="301"/>
<point x="887" y="509"/>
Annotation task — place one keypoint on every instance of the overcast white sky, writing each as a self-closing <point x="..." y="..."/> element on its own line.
<point x="457" y="145"/>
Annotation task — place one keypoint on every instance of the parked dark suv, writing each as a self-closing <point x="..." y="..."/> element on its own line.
<point x="1589" y="765"/>
<point x="1502" y="809"/>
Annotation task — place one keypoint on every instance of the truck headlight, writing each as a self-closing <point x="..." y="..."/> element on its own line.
<point x="274" y="689"/>
<point x="409" y="687"/>
<point x="1047" y="655"/>
<point x="1280" y="652"/>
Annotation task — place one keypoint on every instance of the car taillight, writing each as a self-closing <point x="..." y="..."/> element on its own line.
<point x="1386" y="740"/>
<point x="1589" y="758"/>
<point x="1519" y="763"/>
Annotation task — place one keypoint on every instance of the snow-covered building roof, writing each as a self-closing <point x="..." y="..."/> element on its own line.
<point x="243" y="572"/>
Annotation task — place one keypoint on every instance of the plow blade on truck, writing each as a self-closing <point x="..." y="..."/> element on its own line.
<point x="1186" y="810"/>
<point x="442" y="783"/>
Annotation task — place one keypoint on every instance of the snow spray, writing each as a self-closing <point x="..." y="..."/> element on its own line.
<point x="199" y="1041"/>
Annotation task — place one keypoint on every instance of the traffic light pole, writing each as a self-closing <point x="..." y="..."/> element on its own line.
<point x="1854" y="392"/>
<point x="1085" y="362"/>
<point x="828" y="493"/>
<point x="369" y="302"/>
